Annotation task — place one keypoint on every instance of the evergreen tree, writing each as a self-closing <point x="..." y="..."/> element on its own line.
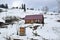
<point x="24" y="8"/>
<point x="2" y="5"/>
<point x="6" y="6"/>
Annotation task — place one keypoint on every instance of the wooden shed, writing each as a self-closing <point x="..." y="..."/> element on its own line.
<point x="2" y="21"/>
<point x="22" y="31"/>
<point x="29" y="19"/>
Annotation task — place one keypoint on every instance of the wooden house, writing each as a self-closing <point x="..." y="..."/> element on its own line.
<point x="22" y="31"/>
<point x="29" y="19"/>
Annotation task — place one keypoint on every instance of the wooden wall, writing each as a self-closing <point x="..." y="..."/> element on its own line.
<point x="34" y="21"/>
<point x="22" y="31"/>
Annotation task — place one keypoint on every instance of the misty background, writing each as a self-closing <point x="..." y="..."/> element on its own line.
<point x="52" y="4"/>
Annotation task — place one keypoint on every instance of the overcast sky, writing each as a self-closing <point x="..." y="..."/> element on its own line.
<point x="52" y="4"/>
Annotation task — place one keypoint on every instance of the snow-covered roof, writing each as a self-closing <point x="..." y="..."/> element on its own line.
<point x="3" y="9"/>
<point x="1" y="20"/>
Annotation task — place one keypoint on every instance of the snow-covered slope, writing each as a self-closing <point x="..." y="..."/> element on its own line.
<point x="48" y="31"/>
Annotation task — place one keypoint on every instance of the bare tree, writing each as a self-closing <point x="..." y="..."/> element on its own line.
<point x="58" y="2"/>
<point x="45" y="9"/>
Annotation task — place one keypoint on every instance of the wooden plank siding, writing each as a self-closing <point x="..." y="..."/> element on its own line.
<point x="33" y="21"/>
<point x="22" y="31"/>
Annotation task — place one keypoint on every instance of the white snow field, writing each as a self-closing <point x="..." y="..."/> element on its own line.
<point x="50" y="30"/>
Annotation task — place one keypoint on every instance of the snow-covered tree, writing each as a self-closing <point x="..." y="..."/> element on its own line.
<point x="45" y="9"/>
<point x="58" y="1"/>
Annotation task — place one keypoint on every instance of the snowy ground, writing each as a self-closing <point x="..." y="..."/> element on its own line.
<point x="50" y="30"/>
